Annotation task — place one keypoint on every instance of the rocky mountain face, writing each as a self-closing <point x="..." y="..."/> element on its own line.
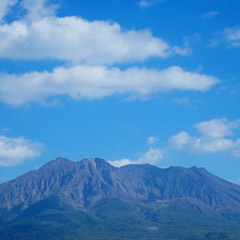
<point x="82" y="184"/>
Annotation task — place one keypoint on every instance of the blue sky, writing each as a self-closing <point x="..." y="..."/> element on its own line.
<point x="151" y="81"/>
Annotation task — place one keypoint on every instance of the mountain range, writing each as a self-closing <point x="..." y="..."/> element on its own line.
<point x="92" y="188"/>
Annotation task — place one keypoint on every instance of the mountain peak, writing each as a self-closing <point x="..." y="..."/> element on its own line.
<point x="96" y="162"/>
<point x="58" y="162"/>
<point x="61" y="159"/>
<point x="88" y="160"/>
<point x="61" y="162"/>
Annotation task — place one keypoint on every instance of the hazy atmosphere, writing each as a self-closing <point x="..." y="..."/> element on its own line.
<point x="150" y="81"/>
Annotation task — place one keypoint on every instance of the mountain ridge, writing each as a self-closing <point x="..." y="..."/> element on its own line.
<point x="83" y="184"/>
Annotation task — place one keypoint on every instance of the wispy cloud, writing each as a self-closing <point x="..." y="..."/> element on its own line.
<point x="14" y="151"/>
<point x="216" y="135"/>
<point x="152" y="140"/>
<point x="232" y="36"/>
<point x="228" y="36"/>
<point x="4" y="129"/>
<point x="38" y="9"/>
<point x="210" y="15"/>
<point x="5" y="6"/>
<point x="149" y="3"/>
<point x="181" y="101"/>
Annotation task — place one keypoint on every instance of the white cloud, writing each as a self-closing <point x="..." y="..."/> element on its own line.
<point x="4" y="129"/>
<point x="122" y="162"/>
<point x="89" y="47"/>
<point x="149" y="3"/>
<point x="77" y="40"/>
<point x="211" y="145"/>
<point x="213" y="138"/>
<point x="210" y="14"/>
<point x="179" y="140"/>
<point x="181" y="101"/>
<point x="152" y="140"/>
<point x="5" y="6"/>
<point x="14" y="151"/>
<point x="37" y="9"/>
<point x="236" y="150"/>
<point x="232" y="36"/>
<point x="216" y="128"/>
<point x="97" y="81"/>
<point x="152" y="156"/>
<point x="229" y="36"/>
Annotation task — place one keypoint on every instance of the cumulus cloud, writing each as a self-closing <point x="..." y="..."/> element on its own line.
<point x="94" y="82"/>
<point x="216" y="135"/>
<point x="5" y="6"/>
<point x="216" y="128"/>
<point x="152" y="140"/>
<point x="232" y="36"/>
<point x="14" y="151"/>
<point x="90" y="48"/>
<point x="179" y="140"/>
<point x="152" y="156"/>
<point x="77" y="40"/>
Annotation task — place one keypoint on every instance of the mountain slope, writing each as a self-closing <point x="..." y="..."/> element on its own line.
<point x="114" y="219"/>
<point x="82" y="184"/>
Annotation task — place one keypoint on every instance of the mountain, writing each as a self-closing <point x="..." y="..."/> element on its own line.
<point x="82" y="184"/>
<point x="92" y="192"/>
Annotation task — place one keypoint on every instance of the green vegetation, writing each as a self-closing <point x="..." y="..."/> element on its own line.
<point x="114" y="219"/>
